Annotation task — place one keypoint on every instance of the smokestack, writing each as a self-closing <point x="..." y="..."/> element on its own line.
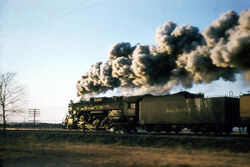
<point x="182" y="56"/>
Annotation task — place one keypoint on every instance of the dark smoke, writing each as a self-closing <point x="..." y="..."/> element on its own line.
<point x="182" y="56"/>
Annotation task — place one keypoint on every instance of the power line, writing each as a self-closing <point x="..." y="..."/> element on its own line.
<point x="53" y="107"/>
<point x="47" y="15"/>
<point x="42" y="20"/>
<point x="29" y="23"/>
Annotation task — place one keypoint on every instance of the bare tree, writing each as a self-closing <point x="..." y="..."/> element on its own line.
<point x="11" y="96"/>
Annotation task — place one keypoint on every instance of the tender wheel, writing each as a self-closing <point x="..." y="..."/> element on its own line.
<point x="177" y="131"/>
<point x="228" y="131"/>
<point x="134" y="129"/>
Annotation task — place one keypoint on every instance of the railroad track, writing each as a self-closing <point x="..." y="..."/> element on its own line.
<point x="235" y="134"/>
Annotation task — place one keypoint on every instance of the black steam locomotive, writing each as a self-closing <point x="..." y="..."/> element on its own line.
<point x="169" y="113"/>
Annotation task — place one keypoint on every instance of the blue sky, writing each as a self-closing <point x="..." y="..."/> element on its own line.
<point x="51" y="44"/>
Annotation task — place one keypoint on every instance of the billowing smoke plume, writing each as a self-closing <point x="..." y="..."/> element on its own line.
<point x="182" y="56"/>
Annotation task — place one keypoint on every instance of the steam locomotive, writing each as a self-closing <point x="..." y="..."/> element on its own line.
<point x="169" y="113"/>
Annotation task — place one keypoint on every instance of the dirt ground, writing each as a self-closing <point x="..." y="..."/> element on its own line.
<point x="31" y="151"/>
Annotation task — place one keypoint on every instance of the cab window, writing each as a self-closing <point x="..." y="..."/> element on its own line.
<point x="132" y="105"/>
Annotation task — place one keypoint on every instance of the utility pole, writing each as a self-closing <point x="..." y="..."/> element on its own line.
<point x="34" y="113"/>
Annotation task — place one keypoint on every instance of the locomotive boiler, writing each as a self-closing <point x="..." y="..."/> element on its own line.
<point x="160" y="113"/>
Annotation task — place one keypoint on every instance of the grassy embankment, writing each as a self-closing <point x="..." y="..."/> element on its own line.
<point x="74" y="149"/>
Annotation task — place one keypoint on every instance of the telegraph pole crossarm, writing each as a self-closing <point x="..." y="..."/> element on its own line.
<point x="34" y="113"/>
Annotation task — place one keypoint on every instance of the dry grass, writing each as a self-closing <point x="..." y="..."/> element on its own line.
<point x="29" y="151"/>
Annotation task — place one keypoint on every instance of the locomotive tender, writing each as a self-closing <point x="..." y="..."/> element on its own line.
<point x="161" y="113"/>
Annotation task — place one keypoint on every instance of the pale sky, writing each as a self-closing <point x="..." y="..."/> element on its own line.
<point x="51" y="44"/>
